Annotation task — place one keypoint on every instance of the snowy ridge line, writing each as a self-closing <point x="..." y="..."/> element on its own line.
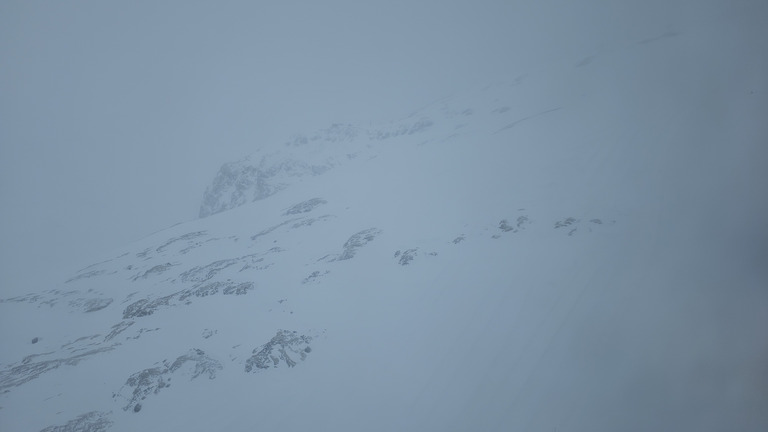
<point x="263" y="174"/>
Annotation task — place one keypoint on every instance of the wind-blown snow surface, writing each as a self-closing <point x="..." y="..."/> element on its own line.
<point x="559" y="252"/>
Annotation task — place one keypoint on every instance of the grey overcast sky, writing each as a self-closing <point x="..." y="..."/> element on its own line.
<point x="114" y="116"/>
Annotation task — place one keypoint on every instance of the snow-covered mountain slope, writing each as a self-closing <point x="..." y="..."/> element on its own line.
<point x="560" y="252"/>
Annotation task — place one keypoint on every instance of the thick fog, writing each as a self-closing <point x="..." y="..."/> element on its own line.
<point x="114" y="117"/>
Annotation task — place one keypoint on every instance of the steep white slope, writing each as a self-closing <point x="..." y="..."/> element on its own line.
<point x="561" y="252"/>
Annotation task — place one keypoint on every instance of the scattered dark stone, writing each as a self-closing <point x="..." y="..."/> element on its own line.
<point x="93" y="421"/>
<point x="146" y="307"/>
<point x="406" y="128"/>
<point x="28" y="370"/>
<point x="357" y="241"/>
<point x="286" y="346"/>
<point x="117" y="329"/>
<point x="504" y="226"/>
<point x="522" y="220"/>
<point x="305" y="207"/>
<point x="309" y="222"/>
<point x="186" y="237"/>
<point x="408" y="256"/>
<point x="152" y="380"/>
<point x="156" y="270"/>
<point x="564" y="223"/>
<point x="86" y="275"/>
<point x="93" y="305"/>
<point x="240" y="289"/>
<point x="314" y="276"/>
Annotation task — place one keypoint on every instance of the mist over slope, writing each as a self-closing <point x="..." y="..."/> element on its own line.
<point x="578" y="248"/>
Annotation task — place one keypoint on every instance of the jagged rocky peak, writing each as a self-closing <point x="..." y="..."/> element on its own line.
<point x="265" y="173"/>
<point x="245" y="181"/>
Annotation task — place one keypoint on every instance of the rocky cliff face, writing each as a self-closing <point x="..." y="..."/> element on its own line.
<point x="263" y="174"/>
<point x="242" y="182"/>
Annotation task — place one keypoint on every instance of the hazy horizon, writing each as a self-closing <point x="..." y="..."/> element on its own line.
<point x="115" y="117"/>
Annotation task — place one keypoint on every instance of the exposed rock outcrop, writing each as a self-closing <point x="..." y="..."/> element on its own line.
<point x="288" y="347"/>
<point x="151" y="380"/>
<point x="94" y="421"/>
